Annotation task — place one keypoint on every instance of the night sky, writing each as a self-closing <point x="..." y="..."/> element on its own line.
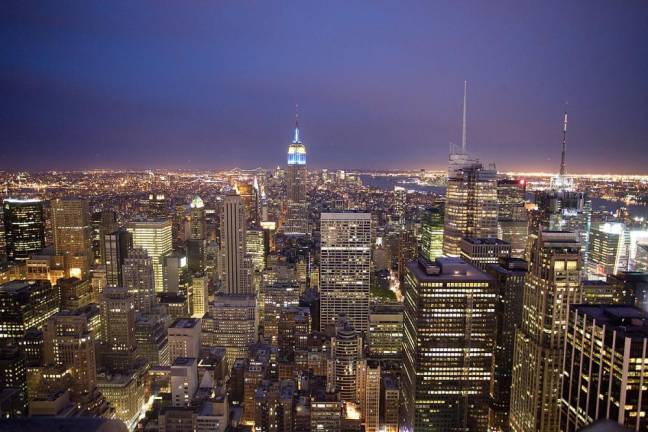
<point x="213" y="84"/>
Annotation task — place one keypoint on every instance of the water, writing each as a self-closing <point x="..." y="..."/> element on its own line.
<point x="388" y="183"/>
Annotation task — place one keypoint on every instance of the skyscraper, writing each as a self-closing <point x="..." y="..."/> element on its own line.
<point x="118" y="327"/>
<point x="603" y="368"/>
<point x="139" y="279"/>
<point x="24" y="225"/>
<point x="470" y="208"/>
<point x="512" y="220"/>
<point x="296" y="177"/>
<point x="346" y="352"/>
<point x="609" y="250"/>
<point x="432" y="233"/>
<point x="509" y="274"/>
<point x="26" y="304"/>
<point x="115" y="249"/>
<point x="552" y="284"/>
<point x="155" y="237"/>
<point x="233" y="247"/>
<point x="198" y="229"/>
<point x="72" y="234"/>
<point x="68" y="343"/>
<point x="345" y="267"/>
<point x="448" y="346"/>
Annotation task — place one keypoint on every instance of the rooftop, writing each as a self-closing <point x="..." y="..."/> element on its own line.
<point x="446" y="269"/>
<point x="626" y="320"/>
<point x="185" y="323"/>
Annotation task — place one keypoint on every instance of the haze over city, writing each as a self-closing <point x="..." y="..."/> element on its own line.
<point x="137" y="85"/>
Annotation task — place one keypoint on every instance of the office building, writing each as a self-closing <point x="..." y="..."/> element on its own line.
<point x="277" y="297"/>
<point x="346" y="351"/>
<point x="126" y="393"/>
<point x="296" y="178"/>
<point x="236" y="323"/>
<point x="75" y="293"/>
<point x="197" y="224"/>
<point x="26" y="304"/>
<point x="603" y="368"/>
<point x="152" y="340"/>
<point x="184" y="338"/>
<point x="184" y="381"/>
<point x="368" y="393"/>
<point x="470" y="208"/>
<point x="116" y="245"/>
<point x="450" y="332"/>
<point x="13" y="382"/>
<point x="509" y="275"/>
<point x="609" y="250"/>
<point x="552" y="284"/>
<point x="390" y="404"/>
<point x="631" y="287"/>
<point x="345" y="268"/>
<point x="155" y="237"/>
<point x="138" y="278"/>
<point x="72" y="233"/>
<point x="69" y="343"/>
<point x="325" y="412"/>
<point x="118" y="328"/>
<point x="24" y="227"/>
<point x="103" y="222"/>
<point x="432" y="233"/>
<point x="385" y="335"/>
<point x="175" y="272"/>
<point x="233" y="247"/>
<point x="199" y="295"/>
<point x="595" y="291"/>
<point x="511" y="197"/>
<point x="480" y="252"/>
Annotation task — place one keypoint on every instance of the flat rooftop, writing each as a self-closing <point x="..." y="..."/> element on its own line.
<point x="485" y="241"/>
<point x="185" y="323"/>
<point x="626" y="320"/>
<point x="450" y="269"/>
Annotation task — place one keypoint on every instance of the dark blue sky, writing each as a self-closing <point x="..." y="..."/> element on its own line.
<point x="213" y="84"/>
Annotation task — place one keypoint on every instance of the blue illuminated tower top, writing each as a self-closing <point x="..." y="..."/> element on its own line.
<point x="296" y="150"/>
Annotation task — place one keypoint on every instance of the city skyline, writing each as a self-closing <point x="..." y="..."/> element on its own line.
<point x="378" y="87"/>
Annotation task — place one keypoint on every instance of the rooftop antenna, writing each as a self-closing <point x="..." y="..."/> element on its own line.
<point x="296" y="139"/>
<point x="463" y="124"/>
<point x="564" y="146"/>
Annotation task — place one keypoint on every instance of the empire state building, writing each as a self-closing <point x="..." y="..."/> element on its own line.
<point x="297" y="207"/>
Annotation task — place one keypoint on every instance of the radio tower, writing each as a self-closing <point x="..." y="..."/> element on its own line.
<point x="564" y="147"/>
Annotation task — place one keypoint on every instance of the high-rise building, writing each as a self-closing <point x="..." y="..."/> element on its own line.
<point x="346" y="352"/>
<point x="138" y="278"/>
<point x="368" y="393"/>
<point x="609" y="250"/>
<point x="72" y="234"/>
<point x="200" y="294"/>
<point x="115" y="250"/>
<point x="390" y="404"/>
<point x="155" y="236"/>
<point x="233" y="247"/>
<point x="385" y="335"/>
<point x="603" y="368"/>
<point x="450" y="332"/>
<point x="184" y="338"/>
<point x="552" y="284"/>
<point x="75" y="293"/>
<point x="197" y="224"/>
<point x="480" y="252"/>
<point x="26" y="304"/>
<point x="470" y="208"/>
<point x="400" y="204"/>
<point x="68" y="343"/>
<point x="184" y="380"/>
<point x="13" y="382"/>
<point x="432" y="233"/>
<point x="103" y="222"/>
<point x="459" y="158"/>
<point x="24" y="226"/>
<point x="512" y="221"/>
<point x="631" y="287"/>
<point x="296" y="177"/>
<point x="345" y="268"/>
<point x="236" y="323"/>
<point x="152" y="339"/>
<point x="509" y="274"/>
<point x="277" y="297"/>
<point x="118" y="327"/>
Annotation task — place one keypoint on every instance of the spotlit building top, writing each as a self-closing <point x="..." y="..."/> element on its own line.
<point x="296" y="150"/>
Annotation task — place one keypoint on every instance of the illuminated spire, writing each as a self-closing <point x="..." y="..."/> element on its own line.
<point x="564" y="147"/>
<point x="463" y="123"/>
<point x="296" y="139"/>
